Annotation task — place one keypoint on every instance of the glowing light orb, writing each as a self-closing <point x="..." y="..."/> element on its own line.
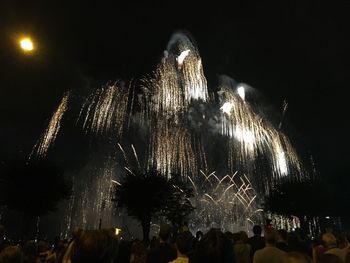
<point x="117" y="231"/>
<point x="26" y="44"/>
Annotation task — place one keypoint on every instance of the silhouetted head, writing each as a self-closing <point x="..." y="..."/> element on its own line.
<point x="329" y="240"/>
<point x="184" y="242"/>
<point x="343" y="241"/>
<point x="30" y="251"/>
<point x="230" y="236"/>
<point x="42" y="246"/>
<point x="270" y="237"/>
<point x="296" y="257"/>
<point x="257" y="230"/>
<point x="243" y="237"/>
<point x="94" y="246"/>
<point x="235" y="237"/>
<point x="11" y="254"/>
<point x="214" y="247"/>
<point x="76" y="232"/>
<point x="165" y="232"/>
<point x="330" y="258"/>
<point x="139" y="251"/>
<point x="30" y="248"/>
<point x="282" y="234"/>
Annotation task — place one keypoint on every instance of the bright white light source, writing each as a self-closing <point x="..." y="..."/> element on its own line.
<point x="241" y="92"/>
<point x="180" y="59"/>
<point x="117" y="231"/>
<point x="26" y="44"/>
<point x="282" y="163"/>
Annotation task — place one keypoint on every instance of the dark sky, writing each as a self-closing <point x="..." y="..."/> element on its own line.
<point x="296" y="51"/>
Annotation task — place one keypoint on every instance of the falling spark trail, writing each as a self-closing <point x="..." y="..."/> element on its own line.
<point x="49" y="136"/>
<point x="193" y="184"/>
<point x="115" y="182"/>
<point x="285" y="107"/>
<point x="124" y="155"/>
<point x="251" y="135"/>
<point x="132" y="103"/>
<point x="250" y="202"/>
<point x="131" y="172"/>
<point x="228" y="188"/>
<point x="136" y="157"/>
<point x="211" y="198"/>
<point x="105" y="110"/>
<point x="251" y="221"/>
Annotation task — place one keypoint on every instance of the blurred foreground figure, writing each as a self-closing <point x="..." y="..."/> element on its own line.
<point x="270" y="253"/>
<point x="296" y="257"/>
<point x="184" y="246"/>
<point x="330" y="243"/>
<point x="11" y="254"/>
<point x="94" y="246"/>
<point x="256" y="241"/>
<point x="163" y="251"/>
<point x="214" y="247"/>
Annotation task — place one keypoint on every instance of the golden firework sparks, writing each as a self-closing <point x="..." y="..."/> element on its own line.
<point x="50" y="134"/>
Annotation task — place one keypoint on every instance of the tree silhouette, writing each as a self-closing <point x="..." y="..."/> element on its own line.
<point x="33" y="188"/>
<point x="305" y="199"/>
<point x="179" y="205"/>
<point x="147" y="195"/>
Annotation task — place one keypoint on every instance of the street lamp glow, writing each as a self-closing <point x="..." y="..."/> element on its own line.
<point x="26" y="44"/>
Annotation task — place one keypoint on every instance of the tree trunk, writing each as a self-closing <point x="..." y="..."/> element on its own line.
<point x="146" y="226"/>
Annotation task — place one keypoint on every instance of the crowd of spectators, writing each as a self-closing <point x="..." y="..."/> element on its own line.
<point x="264" y="246"/>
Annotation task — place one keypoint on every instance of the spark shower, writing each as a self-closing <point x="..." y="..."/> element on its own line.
<point x="216" y="139"/>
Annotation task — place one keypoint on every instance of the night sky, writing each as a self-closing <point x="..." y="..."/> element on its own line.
<point x="296" y="51"/>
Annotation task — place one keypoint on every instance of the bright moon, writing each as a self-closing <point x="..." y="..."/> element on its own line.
<point x="26" y="44"/>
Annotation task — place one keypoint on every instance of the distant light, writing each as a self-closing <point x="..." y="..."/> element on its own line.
<point x="26" y="44"/>
<point x="241" y="92"/>
<point x="117" y="231"/>
<point x="327" y="217"/>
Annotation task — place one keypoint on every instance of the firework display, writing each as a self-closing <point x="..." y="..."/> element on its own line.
<point x="216" y="141"/>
